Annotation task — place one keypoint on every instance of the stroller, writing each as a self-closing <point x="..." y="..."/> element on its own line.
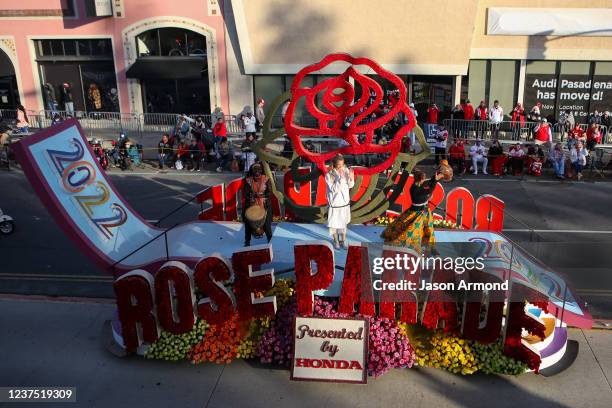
<point x="134" y="153"/>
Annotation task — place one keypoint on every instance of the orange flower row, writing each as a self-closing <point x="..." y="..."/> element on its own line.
<point x="219" y="345"/>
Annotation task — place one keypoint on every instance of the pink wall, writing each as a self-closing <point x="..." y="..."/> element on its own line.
<point x="134" y="11"/>
<point x="35" y="4"/>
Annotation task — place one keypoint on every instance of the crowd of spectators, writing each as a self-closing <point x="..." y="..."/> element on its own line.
<point x="529" y="156"/>
<point x="519" y="159"/>
<point x="192" y="144"/>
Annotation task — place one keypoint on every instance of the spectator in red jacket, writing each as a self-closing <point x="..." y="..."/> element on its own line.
<point x="575" y="135"/>
<point x="457" y="156"/>
<point x="219" y="130"/>
<point x="482" y="112"/>
<point x="468" y="110"/>
<point x="593" y="136"/>
<point x="518" y="120"/>
<point x="432" y="114"/>
<point x="481" y="115"/>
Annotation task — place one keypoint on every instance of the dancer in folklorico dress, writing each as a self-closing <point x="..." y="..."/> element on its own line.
<point x="414" y="227"/>
<point x="339" y="180"/>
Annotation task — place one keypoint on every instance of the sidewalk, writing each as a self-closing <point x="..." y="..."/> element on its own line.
<point x="53" y="343"/>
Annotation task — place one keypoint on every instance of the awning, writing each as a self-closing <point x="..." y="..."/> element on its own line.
<point x="168" y="68"/>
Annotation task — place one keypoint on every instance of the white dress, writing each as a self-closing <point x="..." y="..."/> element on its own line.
<point x="338" y="199"/>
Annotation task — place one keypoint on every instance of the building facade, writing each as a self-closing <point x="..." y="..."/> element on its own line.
<point x="194" y="55"/>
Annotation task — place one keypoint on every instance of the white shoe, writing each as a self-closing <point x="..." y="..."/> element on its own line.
<point x="475" y="173"/>
<point x="219" y="170"/>
<point x="484" y="172"/>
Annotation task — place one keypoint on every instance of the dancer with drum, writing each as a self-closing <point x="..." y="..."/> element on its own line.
<point x="414" y="227"/>
<point x="257" y="213"/>
<point x="339" y="180"/>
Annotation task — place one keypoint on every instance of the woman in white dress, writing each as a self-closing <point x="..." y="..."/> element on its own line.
<point x="339" y="180"/>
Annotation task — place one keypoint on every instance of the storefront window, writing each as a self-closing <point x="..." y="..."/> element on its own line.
<point x="173" y="42"/>
<point x="85" y="65"/>
<point x="83" y="47"/>
<point x="56" y="47"/>
<point x="269" y="87"/>
<point x="601" y="89"/>
<point x="43" y="48"/>
<point x="196" y="44"/>
<point x="176" y="80"/>
<point x="465" y="87"/>
<point x="427" y="90"/>
<point x="490" y="80"/>
<point x="477" y="81"/>
<point x="502" y="85"/>
<point x="69" y="47"/>
<point x="147" y="44"/>
<point x="101" y="47"/>
<point x="541" y="86"/>
<point x="9" y="94"/>
<point x="574" y="89"/>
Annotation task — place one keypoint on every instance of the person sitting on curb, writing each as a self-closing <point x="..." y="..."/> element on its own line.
<point x="593" y="136"/>
<point x="457" y="156"/>
<point x="164" y="151"/>
<point x="557" y="158"/>
<point x="543" y="132"/>
<point x="478" y="154"/>
<point x="575" y="135"/>
<point x="578" y="158"/>
<point x="225" y="155"/>
<point x="195" y="155"/>
<point x="497" y="158"/>
<point x="182" y="153"/>
<point x="517" y="158"/>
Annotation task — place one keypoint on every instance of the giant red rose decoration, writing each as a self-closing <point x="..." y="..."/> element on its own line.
<point x="345" y="115"/>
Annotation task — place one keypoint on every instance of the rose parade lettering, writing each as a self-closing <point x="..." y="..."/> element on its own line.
<point x="167" y="301"/>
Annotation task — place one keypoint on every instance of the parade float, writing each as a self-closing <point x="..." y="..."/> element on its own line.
<point x="192" y="292"/>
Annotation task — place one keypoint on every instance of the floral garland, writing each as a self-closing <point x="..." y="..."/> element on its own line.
<point x="448" y="352"/>
<point x="492" y="360"/>
<point x="460" y="356"/>
<point x="389" y="347"/>
<point x="219" y="344"/>
<point x="174" y="347"/>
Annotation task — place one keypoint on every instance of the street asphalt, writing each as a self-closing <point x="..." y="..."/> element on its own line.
<point x="567" y="225"/>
